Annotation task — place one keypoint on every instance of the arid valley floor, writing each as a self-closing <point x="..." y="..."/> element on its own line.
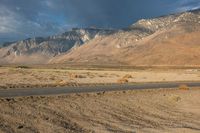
<point x="29" y="77"/>
<point x="174" y="110"/>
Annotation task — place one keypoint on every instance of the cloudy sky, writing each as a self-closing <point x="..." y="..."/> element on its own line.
<point x="20" y="19"/>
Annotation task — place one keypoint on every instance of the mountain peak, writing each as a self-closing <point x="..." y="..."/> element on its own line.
<point x="163" y="40"/>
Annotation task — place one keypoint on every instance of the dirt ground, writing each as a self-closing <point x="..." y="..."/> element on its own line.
<point x="29" y="77"/>
<point x="140" y="111"/>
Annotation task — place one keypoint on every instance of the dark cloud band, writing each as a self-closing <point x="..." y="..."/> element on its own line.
<point x="28" y="18"/>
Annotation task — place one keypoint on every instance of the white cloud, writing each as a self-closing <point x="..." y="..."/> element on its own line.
<point x="49" y="4"/>
<point x="14" y="24"/>
<point x="18" y="8"/>
<point x="8" y="20"/>
<point x="185" y="5"/>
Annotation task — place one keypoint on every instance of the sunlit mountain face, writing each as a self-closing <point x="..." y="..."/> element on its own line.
<point x="140" y="43"/>
<point x="26" y="19"/>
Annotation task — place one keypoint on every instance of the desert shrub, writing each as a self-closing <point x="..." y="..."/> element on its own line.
<point x="175" y="98"/>
<point x="183" y="87"/>
<point x="122" y="81"/>
<point x="77" y="76"/>
<point x="91" y="76"/>
<point x="127" y="76"/>
<point x="61" y="82"/>
<point x="101" y="76"/>
<point x="52" y="78"/>
<point x="22" y="67"/>
<point x="81" y="76"/>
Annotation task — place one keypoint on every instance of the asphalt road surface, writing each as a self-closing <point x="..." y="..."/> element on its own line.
<point x="89" y="89"/>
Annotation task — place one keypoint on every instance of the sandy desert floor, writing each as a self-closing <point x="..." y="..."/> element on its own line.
<point x="26" y="78"/>
<point x="141" y="111"/>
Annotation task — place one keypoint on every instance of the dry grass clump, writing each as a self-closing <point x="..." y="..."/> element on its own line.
<point x="127" y="76"/>
<point x="183" y="87"/>
<point x="73" y="75"/>
<point x="122" y="81"/>
<point x="175" y="98"/>
<point x="22" y="67"/>
<point x="61" y="82"/>
<point x="102" y="76"/>
<point x="52" y="78"/>
<point x="91" y="76"/>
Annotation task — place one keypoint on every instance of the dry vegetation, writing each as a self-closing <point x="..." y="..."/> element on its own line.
<point x="27" y="77"/>
<point x="144" y="111"/>
<point x="183" y="87"/>
<point x="127" y="76"/>
<point x="122" y="81"/>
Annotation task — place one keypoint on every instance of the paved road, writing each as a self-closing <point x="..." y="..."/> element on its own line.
<point x="68" y="90"/>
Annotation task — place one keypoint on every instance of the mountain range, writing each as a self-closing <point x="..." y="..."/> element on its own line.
<point x="167" y="40"/>
<point x="40" y="50"/>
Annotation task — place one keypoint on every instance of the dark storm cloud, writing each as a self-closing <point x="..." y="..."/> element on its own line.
<point x="28" y="18"/>
<point x="111" y="13"/>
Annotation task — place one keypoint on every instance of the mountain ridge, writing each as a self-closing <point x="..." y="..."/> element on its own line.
<point x="141" y="43"/>
<point x="49" y="46"/>
<point x="134" y="45"/>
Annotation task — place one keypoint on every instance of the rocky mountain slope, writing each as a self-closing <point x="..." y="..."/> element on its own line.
<point x="40" y="50"/>
<point x="166" y="40"/>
